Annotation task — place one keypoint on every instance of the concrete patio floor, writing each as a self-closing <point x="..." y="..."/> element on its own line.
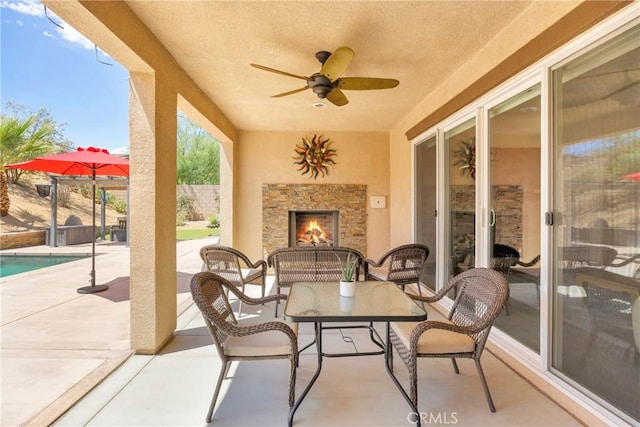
<point x="66" y="361"/>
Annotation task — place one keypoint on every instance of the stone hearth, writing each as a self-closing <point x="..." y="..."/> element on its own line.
<point x="348" y="199"/>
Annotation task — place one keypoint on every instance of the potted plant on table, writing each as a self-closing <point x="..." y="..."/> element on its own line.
<point x="348" y="268"/>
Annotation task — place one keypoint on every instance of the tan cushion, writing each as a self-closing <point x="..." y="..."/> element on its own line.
<point x="435" y="341"/>
<point x="268" y="343"/>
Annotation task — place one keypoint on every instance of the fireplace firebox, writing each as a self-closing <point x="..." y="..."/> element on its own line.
<point x="313" y="228"/>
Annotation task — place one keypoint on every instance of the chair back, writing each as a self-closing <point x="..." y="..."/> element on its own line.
<point x="311" y="264"/>
<point x="406" y="262"/>
<point x="223" y="261"/>
<point x="208" y="293"/>
<point x="481" y="294"/>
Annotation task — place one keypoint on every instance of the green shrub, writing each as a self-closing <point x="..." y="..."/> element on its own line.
<point x="213" y="221"/>
<point x="180" y="219"/>
<point x="185" y="206"/>
<point x="118" y="205"/>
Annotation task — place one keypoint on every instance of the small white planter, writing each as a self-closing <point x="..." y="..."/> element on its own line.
<point x="347" y="289"/>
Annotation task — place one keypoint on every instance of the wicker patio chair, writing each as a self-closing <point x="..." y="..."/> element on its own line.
<point x="234" y="342"/>
<point x="401" y="265"/>
<point x="234" y="266"/>
<point x="481" y="295"/>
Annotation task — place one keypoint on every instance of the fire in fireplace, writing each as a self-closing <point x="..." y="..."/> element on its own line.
<point x="313" y="228"/>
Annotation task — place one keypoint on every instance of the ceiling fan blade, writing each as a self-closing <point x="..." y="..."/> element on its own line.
<point x="337" y="63"/>
<point x="366" y="83"/>
<point x="273" y="70"/>
<point x="291" y="92"/>
<point x="336" y="97"/>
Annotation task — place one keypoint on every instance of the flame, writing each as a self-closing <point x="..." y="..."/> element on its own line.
<point x="314" y="228"/>
<point x="313" y="224"/>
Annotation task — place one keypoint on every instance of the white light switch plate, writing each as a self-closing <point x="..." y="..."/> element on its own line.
<point x="378" y="202"/>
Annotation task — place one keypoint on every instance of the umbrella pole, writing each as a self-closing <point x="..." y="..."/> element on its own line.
<point x="91" y="289"/>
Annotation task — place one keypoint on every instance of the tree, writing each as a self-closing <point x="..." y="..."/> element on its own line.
<point x="198" y="154"/>
<point x="25" y="135"/>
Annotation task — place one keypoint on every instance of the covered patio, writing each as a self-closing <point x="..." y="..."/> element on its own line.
<point x="195" y="57"/>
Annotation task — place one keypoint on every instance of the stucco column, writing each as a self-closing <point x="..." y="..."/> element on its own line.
<point x="226" y="194"/>
<point x="152" y="123"/>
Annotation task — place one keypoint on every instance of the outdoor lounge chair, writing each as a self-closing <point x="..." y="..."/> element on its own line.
<point x="481" y="294"/>
<point x="254" y="341"/>
<point x="401" y="265"/>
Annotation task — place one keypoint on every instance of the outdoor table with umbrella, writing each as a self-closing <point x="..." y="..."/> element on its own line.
<point x="89" y="161"/>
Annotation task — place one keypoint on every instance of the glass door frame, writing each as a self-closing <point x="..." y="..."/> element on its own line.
<point x="515" y="87"/>
<point x="538" y="72"/>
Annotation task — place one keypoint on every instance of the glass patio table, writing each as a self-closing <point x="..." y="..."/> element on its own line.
<point x="374" y="301"/>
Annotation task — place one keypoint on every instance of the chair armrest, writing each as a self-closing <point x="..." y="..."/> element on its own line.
<point x="369" y="261"/>
<point x="422" y="327"/>
<point x="258" y="264"/>
<point x="624" y="262"/>
<point x="273" y="325"/>
<point x="255" y="301"/>
<point x="530" y="263"/>
<point x="424" y="298"/>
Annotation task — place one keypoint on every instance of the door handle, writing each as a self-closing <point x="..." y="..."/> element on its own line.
<point x="492" y="218"/>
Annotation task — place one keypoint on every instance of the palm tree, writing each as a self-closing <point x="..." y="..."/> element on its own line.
<point x="22" y="139"/>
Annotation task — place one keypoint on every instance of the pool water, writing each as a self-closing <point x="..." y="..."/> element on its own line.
<point x="15" y="264"/>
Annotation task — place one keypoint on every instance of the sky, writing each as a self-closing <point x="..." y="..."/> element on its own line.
<point x="44" y="66"/>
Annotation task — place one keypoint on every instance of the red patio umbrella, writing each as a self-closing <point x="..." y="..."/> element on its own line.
<point x="632" y="176"/>
<point x="89" y="161"/>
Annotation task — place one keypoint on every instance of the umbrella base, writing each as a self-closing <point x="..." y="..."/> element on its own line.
<point x="92" y="289"/>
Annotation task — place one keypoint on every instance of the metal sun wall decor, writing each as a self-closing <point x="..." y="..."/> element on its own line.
<point x="466" y="158"/>
<point x="314" y="155"/>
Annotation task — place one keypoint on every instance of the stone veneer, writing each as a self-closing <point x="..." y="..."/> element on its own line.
<point x="22" y="239"/>
<point x="507" y="202"/>
<point x="348" y="199"/>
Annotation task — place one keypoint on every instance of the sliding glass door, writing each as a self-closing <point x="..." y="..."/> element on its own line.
<point x="514" y="211"/>
<point x="460" y="147"/>
<point x="426" y="191"/>
<point x="596" y="216"/>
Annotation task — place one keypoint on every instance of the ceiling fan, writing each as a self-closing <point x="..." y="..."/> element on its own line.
<point x="327" y="83"/>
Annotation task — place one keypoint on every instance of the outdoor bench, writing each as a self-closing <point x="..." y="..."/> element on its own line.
<point x="310" y="264"/>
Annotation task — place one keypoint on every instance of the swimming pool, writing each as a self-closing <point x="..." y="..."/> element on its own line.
<point x="11" y="264"/>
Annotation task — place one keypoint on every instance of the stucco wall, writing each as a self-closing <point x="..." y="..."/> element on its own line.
<point x="267" y="158"/>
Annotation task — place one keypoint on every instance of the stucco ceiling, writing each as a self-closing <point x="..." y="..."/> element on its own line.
<point x="420" y="43"/>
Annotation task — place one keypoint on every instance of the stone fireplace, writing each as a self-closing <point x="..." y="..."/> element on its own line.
<point x="342" y="207"/>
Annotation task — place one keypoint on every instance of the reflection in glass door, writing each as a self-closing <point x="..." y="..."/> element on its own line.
<point x="460" y="146"/>
<point x="596" y="231"/>
<point x="514" y="143"/>
<point x="425" y="158"/>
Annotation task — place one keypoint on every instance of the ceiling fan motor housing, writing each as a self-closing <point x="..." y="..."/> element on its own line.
<point x="321" y="85"/>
